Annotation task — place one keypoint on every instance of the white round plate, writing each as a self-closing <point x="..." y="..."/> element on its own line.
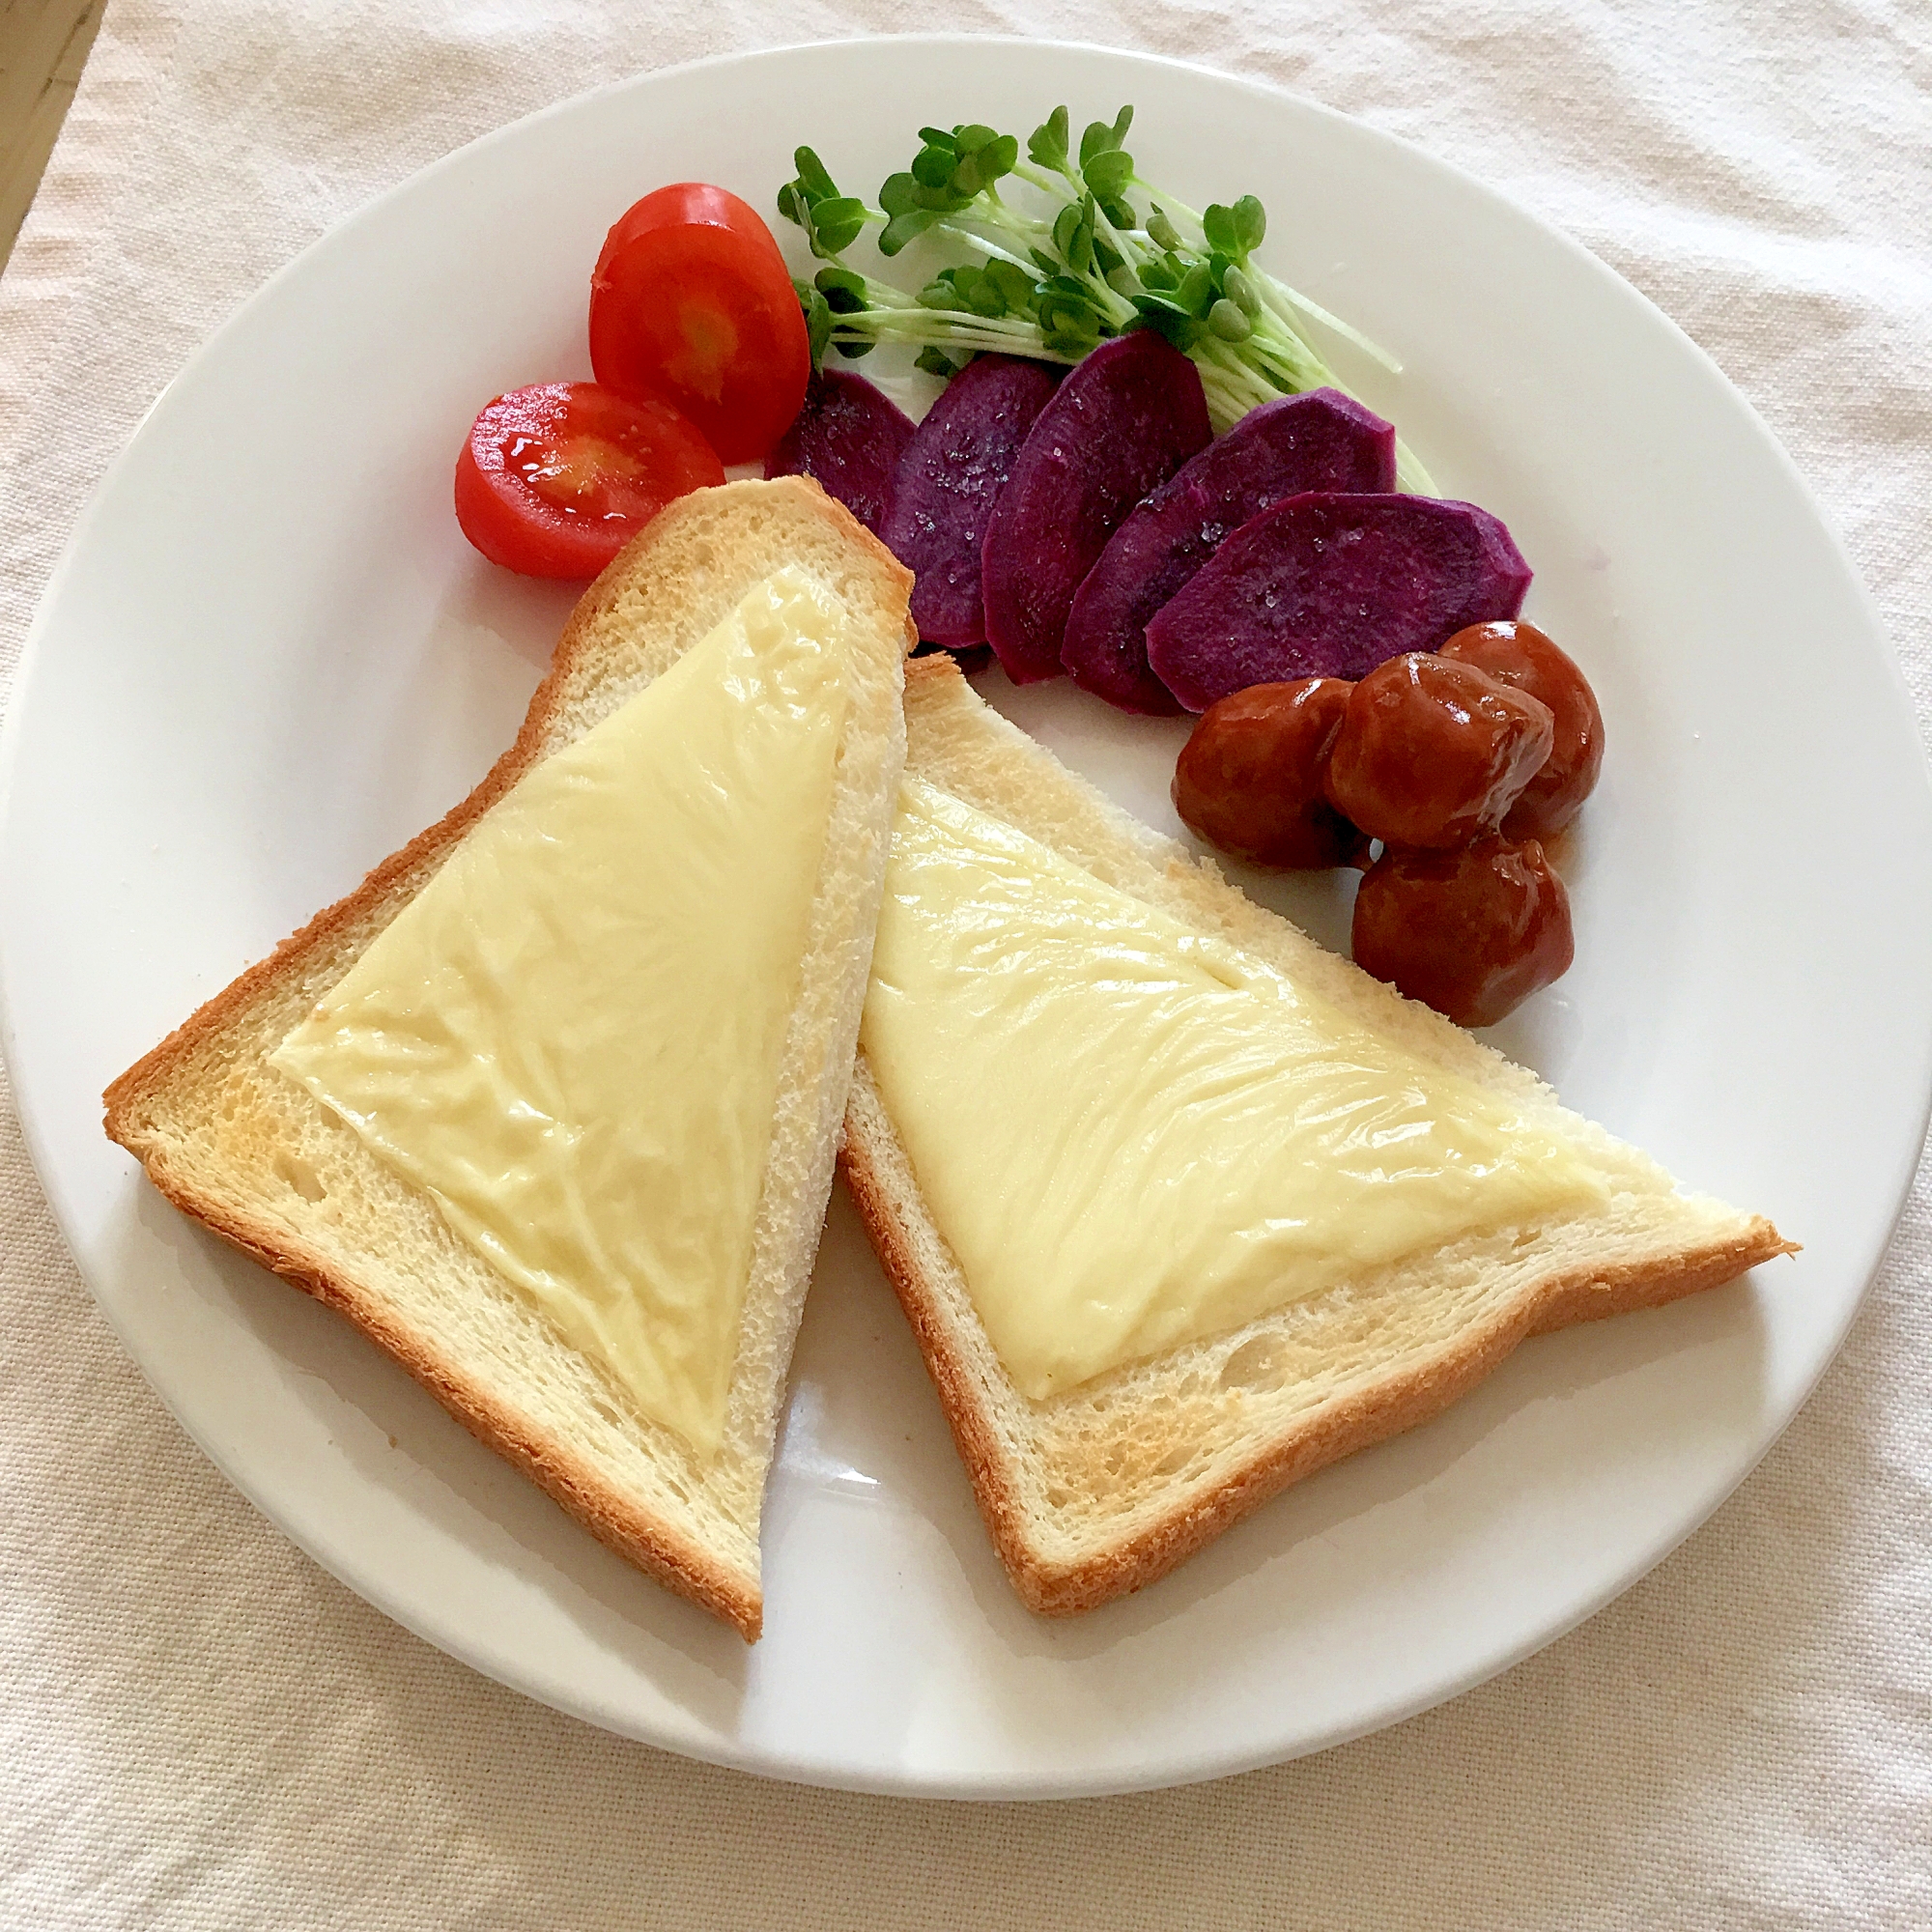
<point x="269" y="658"/>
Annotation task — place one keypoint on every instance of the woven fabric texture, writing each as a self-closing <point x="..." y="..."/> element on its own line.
<point x="200" y="1729"/>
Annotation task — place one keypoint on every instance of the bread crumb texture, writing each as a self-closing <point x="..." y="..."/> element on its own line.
<point x="1104" y="1487"/>
<point x="251" y="1154"/>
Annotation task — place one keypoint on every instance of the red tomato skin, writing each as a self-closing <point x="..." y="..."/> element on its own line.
<point x="515" y="525"/>
<point x="695" y="203"/>
<point x="691" y="302"/>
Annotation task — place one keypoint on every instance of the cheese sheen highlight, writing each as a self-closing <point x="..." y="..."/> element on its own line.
<point x="1133" y="1135"/>
<point x="571" y="1036"/>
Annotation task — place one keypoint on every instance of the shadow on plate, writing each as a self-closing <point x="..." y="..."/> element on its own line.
<point x="1299" y="1525"/>
<point x="400" y="1440"/>
<point x="864" y="1429"/>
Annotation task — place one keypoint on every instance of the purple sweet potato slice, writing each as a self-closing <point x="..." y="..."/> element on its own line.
<point x="1331" y="585"/>
<point x="952" y="470"/>
<point x="1121" y="424"/>
<point x="848" y="437"/>
<point x="1321" y="440"/>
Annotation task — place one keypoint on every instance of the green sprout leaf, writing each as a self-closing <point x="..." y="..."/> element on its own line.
<point x="1250" y="223"/>
<point x="1068" y="319"/>
<point x="1108" y="174"/>
<point x="852" y="351"/>
<point x="1235" y="232"/>
<point x="814" y="177"/>
<point x="831" y="221"/>
<point x="986" y="164"/>
<point x="1015" y="286"/>
<point x="1218" y="225"/>
<point x="1161" y="232"/>
<point x="932" y="167"/>
<point x="1237" y="285"/>
<point x="843" y="289"/>
<point x="943" y="292"/>
<point x="1073" y="237"/>
<point x="1046" y="145"/>
<point x="904" y="228"/>
<point x="1072" y="339"/>
<point x="1228" y="322"/>
<point x="943" y="200"/>
<point x="1101" y="139"/>
<point x="974" y="292"/>
<point x="936" y="363"/>
<point x="1197" y="293"/>
<point x="836" y="224"/>
<point x="986" y="298"/>
<point x="818" y="322"/>
<point x="1166" y="316"/>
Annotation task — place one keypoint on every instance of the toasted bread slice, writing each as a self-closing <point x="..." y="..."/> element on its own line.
<point x="247" y="1150"/>
<point x="1104" y="1487"/>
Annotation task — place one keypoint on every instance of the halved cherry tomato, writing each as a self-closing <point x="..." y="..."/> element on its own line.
<point x="555" y="479"/>
<point x="692" y="301"/>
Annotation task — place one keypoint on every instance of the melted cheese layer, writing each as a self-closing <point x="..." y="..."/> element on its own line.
<point x="1133" y="1135"/>
<point x="571" y="1036"/>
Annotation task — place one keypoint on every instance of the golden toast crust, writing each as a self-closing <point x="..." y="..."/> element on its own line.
<point x="140" y="1104"/>
<point x="972" y="1390"/>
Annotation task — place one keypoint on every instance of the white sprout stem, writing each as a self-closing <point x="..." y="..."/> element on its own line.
<point x="1278" y="294"/>
<point x="1171" y="207"/>
<point x="1285" y="353"/>
<point x="952" y="328"/>
<point x="1280" y="298"/>
<point x="1276" y="359"/>
<point x="1119" y="309"/>
<point x="1059" y="184"/>
<point x="1410" y="474"/>
<point x="1232" y="388"/>
<point x="1069" y="191"/>
<point x="1226" y="406"/>
<point x="1119" y="242"/>
<point x="883" y="294"/>
<point x="991" y="249"/>
<point x="1029" y="228"/>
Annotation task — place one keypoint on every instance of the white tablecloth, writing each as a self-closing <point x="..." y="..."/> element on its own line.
<point x="199" y="1729"/>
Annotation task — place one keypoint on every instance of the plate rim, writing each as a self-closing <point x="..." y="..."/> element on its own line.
<point x="764" y="1760"/>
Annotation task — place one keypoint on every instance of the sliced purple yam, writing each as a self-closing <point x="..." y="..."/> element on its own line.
<point x="1331" y="585"/>
<point x="1321" y="440"/>
<point x="951" y="472"/>
<point x="1122" y="422"/>
<point x="848" y="437"/>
